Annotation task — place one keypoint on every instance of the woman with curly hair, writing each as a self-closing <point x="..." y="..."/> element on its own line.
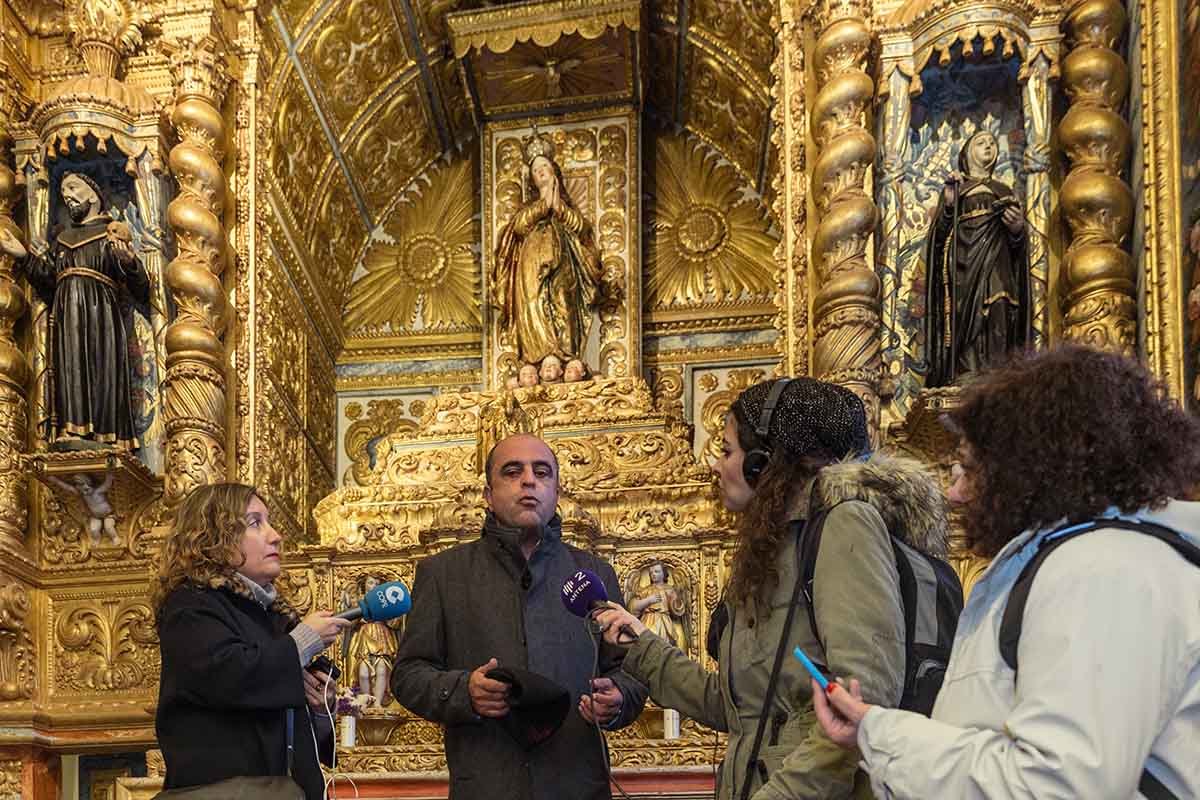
<point x="233" y="656"/>
<point x="1099" y="694"/>
<point x="794" y="448"/>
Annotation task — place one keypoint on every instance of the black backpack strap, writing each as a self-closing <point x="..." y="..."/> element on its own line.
<point x="1152" y="788"/>
<point x="773" y="682"/>
<point x="1014" y="609"/>
<point x="290" y="738"/>
<point x="806" y="568"/>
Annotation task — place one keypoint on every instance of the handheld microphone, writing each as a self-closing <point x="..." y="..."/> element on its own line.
<point x="386" y="601"/>
<point x="584" y="593"/>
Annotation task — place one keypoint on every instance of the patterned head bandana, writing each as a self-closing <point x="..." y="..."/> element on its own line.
<point x="812" y="418"/>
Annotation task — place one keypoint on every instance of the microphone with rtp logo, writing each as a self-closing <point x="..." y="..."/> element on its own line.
<point x="583" y="593"/>
<point x="386" y="601"/>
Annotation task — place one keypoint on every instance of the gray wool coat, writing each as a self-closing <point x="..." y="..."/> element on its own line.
<point x="481" y="600"/>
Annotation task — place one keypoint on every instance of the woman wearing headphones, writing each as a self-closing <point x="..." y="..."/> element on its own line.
<point x="787" y="442"/>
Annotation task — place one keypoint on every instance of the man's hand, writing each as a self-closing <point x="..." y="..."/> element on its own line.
<point x="9" y="244"/>
<point x="122" y="249"/>
<point x="314" y="691"/>
<point x="489" y="698"/>
<point x="604" y="703"/>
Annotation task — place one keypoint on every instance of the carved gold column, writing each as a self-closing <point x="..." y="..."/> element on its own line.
<point x="846" y="305"/>
<point x="1099" y="282"/>
<point x="14" y="370"/>
<point x="194" y="391"/>
<point x="791" y="187"/>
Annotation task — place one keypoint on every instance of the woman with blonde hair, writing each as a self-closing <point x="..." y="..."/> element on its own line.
<point x="237" y="712"/>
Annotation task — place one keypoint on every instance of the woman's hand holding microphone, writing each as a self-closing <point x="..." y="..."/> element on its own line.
<point x="616" y="623"/>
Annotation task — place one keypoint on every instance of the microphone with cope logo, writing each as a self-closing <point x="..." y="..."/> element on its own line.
<point x="386" y="601"/>
<point x="584" y="593"/>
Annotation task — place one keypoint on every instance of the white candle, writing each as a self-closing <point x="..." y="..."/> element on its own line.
<point x="670" y="723"/>
<point x="347" y="724"/>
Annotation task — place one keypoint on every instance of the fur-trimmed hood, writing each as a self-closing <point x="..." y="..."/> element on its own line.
<point x="903" y="490"/>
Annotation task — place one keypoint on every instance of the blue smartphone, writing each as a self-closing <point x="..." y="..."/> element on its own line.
<point x="821" y="680"/>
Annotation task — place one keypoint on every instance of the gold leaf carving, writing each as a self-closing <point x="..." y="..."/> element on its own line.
<point x="498" y="32"/>
<point x="17" y="657"/>
<point x="356" y="50"/>
<point x="706" y="243"/>
<point x="106" y="645"/>
<point x="427" y="278"/>
<point x="383" y="416"/>
<point x="712" y="414"/>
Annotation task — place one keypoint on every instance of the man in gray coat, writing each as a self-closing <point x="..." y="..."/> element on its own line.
<point x="495" y="602"/>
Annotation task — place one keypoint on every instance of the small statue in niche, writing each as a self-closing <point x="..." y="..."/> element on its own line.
<point x="101" y="517"/>
<point x="977" y="269"/>
<point x="87" y="277"/>
<point x="372" y="650"/>
<point x="547" y="269"/>
<point x="659" y="604"/>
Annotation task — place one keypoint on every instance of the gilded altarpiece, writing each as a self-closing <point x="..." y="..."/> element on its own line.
<point x="337" y="147"/>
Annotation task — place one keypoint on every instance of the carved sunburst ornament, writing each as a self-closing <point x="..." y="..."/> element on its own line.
<point x="708" y="242"/>
<point x="427" y="277"/>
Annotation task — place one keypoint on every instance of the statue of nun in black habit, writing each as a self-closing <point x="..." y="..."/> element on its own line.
<point x="977" y="269"/>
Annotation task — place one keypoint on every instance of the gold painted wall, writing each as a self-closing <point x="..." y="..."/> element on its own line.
<point x="328" y="165"/>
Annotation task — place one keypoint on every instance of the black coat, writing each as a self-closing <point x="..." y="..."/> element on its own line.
<point x="472" y="602"/>
<point x="229" y="670"/>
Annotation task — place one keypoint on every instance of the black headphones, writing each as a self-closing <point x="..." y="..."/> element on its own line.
<point x="755" y="461"/>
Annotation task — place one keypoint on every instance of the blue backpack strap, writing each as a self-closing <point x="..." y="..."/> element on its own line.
<point x="1014" y="609"/>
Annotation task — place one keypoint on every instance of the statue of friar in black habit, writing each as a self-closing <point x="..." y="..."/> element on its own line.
<point x="88" y="278"/>
<point x="977" y="269"/>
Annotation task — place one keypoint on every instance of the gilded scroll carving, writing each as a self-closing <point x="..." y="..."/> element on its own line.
<point x="105" y="645"/>
<point x="789" y="115"/>
<point x="18" y="658"/>
<point x="382" y="417"/>
<point x="14" y="368"/>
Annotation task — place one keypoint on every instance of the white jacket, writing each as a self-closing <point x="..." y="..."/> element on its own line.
<point x="1109" y="680"/>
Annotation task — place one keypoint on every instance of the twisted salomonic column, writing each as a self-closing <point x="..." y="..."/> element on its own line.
<point x="846" y="306"/>
<point x="14" y="370"/>
<point x="194" y="390"/>
<point x="1099" y="283"/>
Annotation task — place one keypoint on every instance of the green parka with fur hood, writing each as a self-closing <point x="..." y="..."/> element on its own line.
<point x="858" y="610"/>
